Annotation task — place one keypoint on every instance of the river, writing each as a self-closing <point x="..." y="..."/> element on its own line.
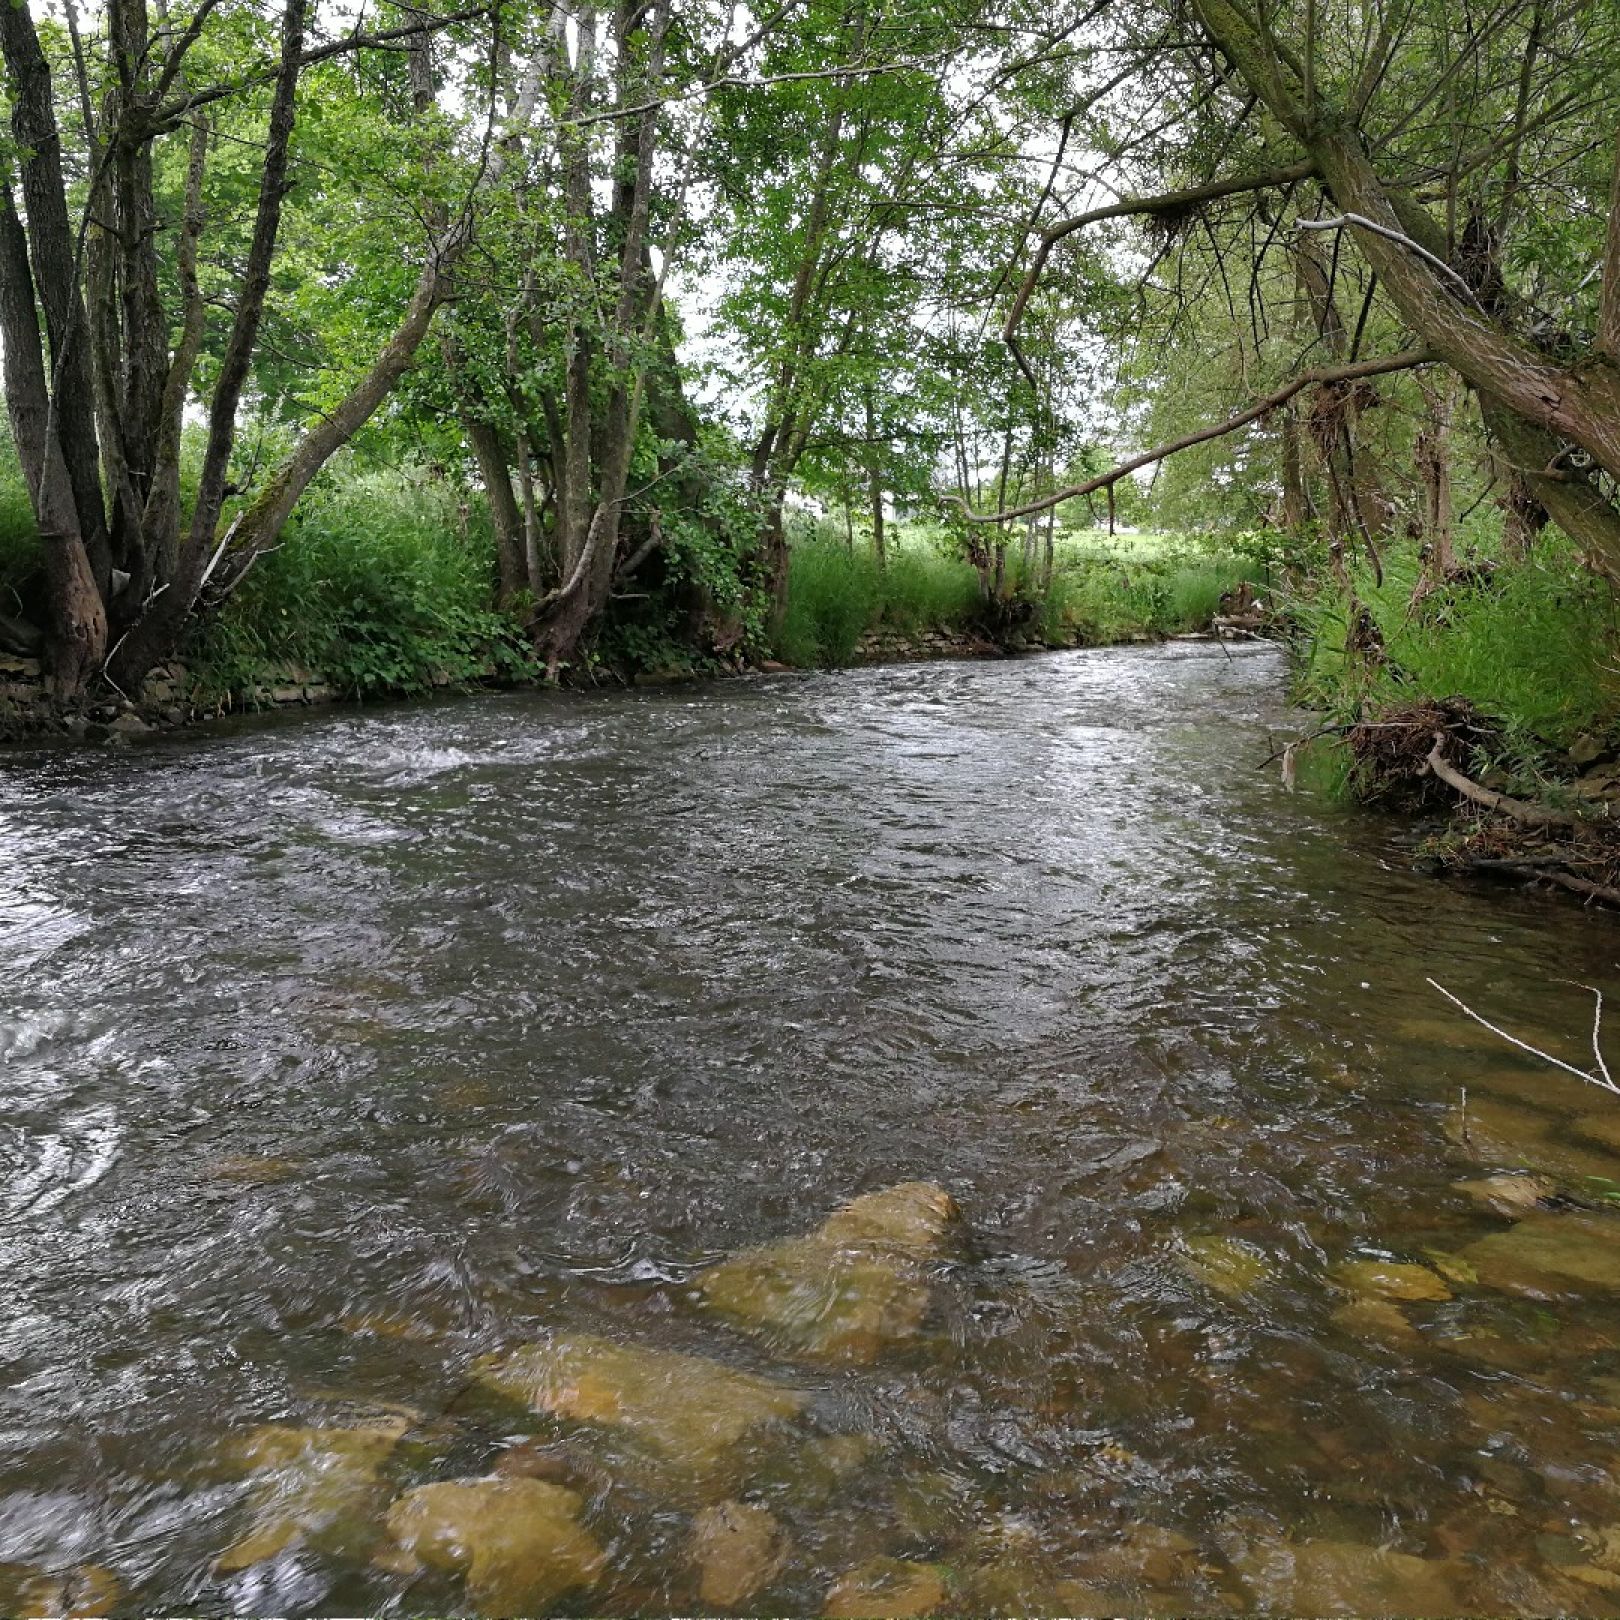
<point x="339" y="1053"/>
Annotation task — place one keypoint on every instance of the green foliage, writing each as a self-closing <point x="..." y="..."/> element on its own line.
<point x="834" y="596"/>
<point x="1532" y="645"/>
<point x="381" y="584"/>
<point x="1108" y="589"/>
<point x="1103" y="591"/>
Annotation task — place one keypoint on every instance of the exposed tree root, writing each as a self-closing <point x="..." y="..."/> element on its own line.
<point x="1523" y="812"/>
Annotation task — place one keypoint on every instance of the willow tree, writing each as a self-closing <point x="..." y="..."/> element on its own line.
<point x="1471" y="163"/>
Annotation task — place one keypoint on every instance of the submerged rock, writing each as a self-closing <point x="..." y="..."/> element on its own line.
<point x="692" y="1415"/>
<point x="1384" y="1279"/>
<point x="1022" y="1585"/>
<point x="1512" y="1136"/>
<point x="1322" y="1578"/>
<point x="1548" y="1256"/>
<point x="518" y="1543"/>
<point x="1368" y="1317"/>
<point x="890" y="1588"/>
<point x="1509" y="1194"/>
<point x="737" y="1549"/>
<point x="845" y="1292"/>
<point x="1227" y="1264"/>
<point x="310" y="1484"/>
<point x="85" y="1592"/>
<point x="1148" y="1554"/>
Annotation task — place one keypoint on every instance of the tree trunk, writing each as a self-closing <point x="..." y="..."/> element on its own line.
<point x="1433" y="454"/>
<point x="511" y="565"/>
<point x="1556" y="406"/>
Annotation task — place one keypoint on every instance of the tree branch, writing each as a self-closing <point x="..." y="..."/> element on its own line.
<point x="1527" y="815"/>
<point x="1403" y="361"/>
<point x="162" y="119"/>
<point x="1170" y="202"/>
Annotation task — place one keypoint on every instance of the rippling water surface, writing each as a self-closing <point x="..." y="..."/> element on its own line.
<point x="336" y="1055"/>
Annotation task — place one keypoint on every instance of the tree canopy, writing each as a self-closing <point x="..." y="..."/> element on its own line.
<point x="639" y="277"/>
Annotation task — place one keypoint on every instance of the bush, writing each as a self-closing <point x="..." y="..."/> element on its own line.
<point x="835" y="595"/>
<point x="381" y="583"/>
<point x="1531" y="645"/>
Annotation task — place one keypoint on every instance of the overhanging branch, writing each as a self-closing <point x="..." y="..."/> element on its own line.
<point x="1169" y="202"/>
<point x="1405" y="360"/>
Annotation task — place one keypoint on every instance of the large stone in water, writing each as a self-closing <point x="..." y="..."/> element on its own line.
<point x="1323" y="1578"/>
<point x="518" y="1543"/>
<point x="1511" y="1136"/>
<point x="737" y="1549"/>
<point x="1551" y="1256"/>
<point x="321" y="1485"/>
<point x="82" y="1593"/>
<point x="848" y="1290"/>
<point x="1022" y="1585"/>
<point x="1384" y="1279"/>
<point x="692" y="1416"/>
<point x="887" y="1589"/>
<point x="1509" y="1194"/>
<point x="1227" y="1264"/>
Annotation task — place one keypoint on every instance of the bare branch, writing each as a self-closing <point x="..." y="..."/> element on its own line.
<point x="1170" y="202"/>
<point x="1600" y="1080"/>
<point x="1339" y="221"/>
<point x="1404" y="361"/>
<point x="1527" y="815"/>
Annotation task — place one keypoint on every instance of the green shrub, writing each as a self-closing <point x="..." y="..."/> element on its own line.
<point x="19" y="535"/>
<point x="836" y="594"/>
<point x="1532" y="646"/>
<point x="381" y="583"/>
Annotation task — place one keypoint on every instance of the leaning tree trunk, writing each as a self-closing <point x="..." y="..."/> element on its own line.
<point x="1538" y="409"/>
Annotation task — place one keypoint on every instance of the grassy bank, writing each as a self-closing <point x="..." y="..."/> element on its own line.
<point x="1103" y="589"/>
<point x="381" y="584"/>
<point x="1531" y="647"/>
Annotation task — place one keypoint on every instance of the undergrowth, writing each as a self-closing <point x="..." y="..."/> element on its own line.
<point x="1102" y="591"/>
<point x="1531" y="645"/>
<point x="381" y="583"/>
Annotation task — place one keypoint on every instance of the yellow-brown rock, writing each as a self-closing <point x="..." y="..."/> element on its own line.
<point x="737" y="1549"/>
<point x="887" y="1589"/>
<point x="518" y="1544"/>
<point x="1385" y="1279"/>
<point x="316" y="1484"/>
<point x="1329" y="1578"/>
<point x="846" y="1291"/>
<point x="1551" y="1256"/>
<point x="693" y="1416"/>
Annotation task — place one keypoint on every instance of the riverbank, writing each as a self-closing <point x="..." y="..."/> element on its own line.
<point x="1484" y="707"/>
<point x="176" y="700"/>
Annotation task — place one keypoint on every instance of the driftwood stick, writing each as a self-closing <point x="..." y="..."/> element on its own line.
<point x="1527" y="815"/>
<point x="1601" y="1080"/>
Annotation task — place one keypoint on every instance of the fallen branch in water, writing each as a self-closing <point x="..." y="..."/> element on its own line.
<point x="1528" y="815"/>
<point x="1602" y="1079"/>
<point x="1542" y="869"/>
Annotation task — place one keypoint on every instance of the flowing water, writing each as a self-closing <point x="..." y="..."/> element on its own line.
<point x="339" y="1054"/>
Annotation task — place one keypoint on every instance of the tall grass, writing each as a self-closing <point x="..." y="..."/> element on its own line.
<point x="1533" y="645"/>
<point x="381" y="583"/>
<point x="1103" y="590"/>
<point x="835" y="595"/>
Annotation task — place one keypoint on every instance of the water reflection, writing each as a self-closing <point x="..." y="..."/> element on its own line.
<point x="344" y="1062"/>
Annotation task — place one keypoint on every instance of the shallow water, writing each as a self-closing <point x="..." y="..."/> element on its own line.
<point x="337" y="1054"/>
